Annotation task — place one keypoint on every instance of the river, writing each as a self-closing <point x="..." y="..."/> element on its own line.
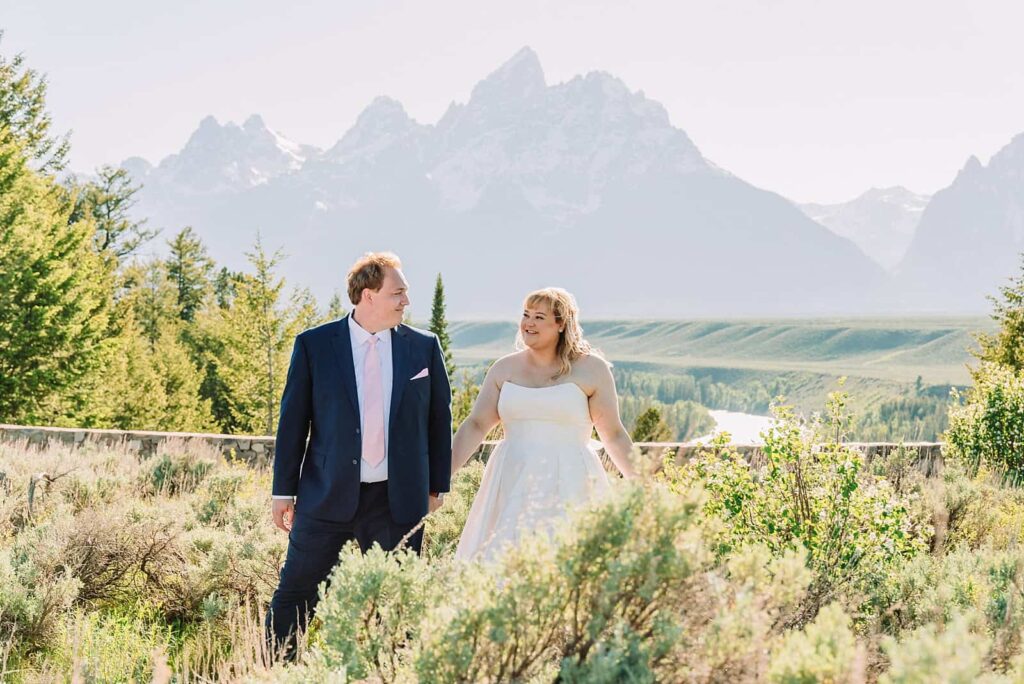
<point x="745" y="428"/>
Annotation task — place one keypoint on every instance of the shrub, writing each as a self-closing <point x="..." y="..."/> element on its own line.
<point x="374" y="610"/>
<point x="444" y="526"/>
<point x="823" y="651"/>
<point x="171" y="474"/>
<point x="618" y="584"/>
<point x="954" y="655"/>
<point x="810" y="495"/>
<point x="988" y="427"/>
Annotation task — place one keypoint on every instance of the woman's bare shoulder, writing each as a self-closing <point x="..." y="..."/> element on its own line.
<point x="505" y="366"/>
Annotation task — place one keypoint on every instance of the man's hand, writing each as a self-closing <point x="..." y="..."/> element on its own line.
<point x="284" y="513"/>
<point x="433" y="503"/>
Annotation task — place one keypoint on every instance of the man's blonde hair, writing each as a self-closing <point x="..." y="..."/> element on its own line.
<point x="368" y="272"/>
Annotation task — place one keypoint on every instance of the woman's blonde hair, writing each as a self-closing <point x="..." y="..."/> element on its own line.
<point x="571" y="344"/>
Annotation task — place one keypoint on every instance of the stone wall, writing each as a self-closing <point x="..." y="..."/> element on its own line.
<point x="256" y="450"/>
<point x="260" y="450"/>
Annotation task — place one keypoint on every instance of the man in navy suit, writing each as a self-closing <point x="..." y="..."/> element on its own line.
<point x="364" y="442"/>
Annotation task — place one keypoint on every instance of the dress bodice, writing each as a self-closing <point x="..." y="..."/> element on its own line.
<point x="559" y="413"/>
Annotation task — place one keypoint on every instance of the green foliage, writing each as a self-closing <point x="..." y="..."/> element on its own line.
<point x="609" y="588"/>
<point x="954" y="655"/>
<point x="107" y="203"/>
<point x="1006" y="346"/>
<point x="823" y="651"/>
<point x="464" y="394"/>
<point x="374" y="610"/>
<point x="444" y="526"/>
<point x="255" y="337"/>
<point x="54" y="294"/>
<point x="23" y="115"/>
<point x="336" y="307"/>
<point x="439" y="325"/>
<point x="165" y="552"/>
<point x="650" y="427"/>
<point x="811" y="492"/>
<point x="988" y="427"/>
<point x="172" y="471"/>
<point x="190" y="270"/>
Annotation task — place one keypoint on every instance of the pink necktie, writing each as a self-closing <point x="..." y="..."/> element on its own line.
<point x="373" y="407"/>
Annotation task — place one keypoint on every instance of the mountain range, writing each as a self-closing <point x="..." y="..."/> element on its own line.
<point x="583" y="184"/>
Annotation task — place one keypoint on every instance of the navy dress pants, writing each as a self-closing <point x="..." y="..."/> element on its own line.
<point x="313" y="548"/>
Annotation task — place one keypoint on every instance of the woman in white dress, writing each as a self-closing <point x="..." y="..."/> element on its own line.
<point x="548" y="396"/>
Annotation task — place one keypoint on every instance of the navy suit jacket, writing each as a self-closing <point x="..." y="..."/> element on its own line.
<point x="320" y="402"/>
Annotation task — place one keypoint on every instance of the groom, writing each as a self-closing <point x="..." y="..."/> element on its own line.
<point x="373" y="398"/>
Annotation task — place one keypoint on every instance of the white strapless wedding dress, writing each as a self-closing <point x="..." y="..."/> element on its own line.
<point x="544" y="467"/>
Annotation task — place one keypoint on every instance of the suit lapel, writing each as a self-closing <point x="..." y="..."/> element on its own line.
<point x="399" y="368"/>
<point x="342" y="341"/>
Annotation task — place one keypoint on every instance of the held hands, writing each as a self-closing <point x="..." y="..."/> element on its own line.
<point x="284" y="513"/>
<point x="434" y="502"/>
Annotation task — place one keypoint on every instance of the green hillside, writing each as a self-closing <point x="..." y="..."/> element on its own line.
<point x="898" y="350"/>
<point x="899" y="371"/>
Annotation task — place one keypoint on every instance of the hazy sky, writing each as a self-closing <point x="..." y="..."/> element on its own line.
<point x="816" y="99"/>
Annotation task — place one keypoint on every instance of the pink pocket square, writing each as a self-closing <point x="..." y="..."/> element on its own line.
<point x="422" y="374"/>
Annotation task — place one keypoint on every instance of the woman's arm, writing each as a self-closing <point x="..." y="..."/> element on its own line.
<point x="604" y="411"/>
<point x="482" y="418"/>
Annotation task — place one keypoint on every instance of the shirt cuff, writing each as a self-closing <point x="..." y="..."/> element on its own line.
<point x="282" y="496"/>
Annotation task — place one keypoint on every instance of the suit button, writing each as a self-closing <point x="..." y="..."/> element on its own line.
<point x="353" y="461"/>
<point x="357" y="431"/>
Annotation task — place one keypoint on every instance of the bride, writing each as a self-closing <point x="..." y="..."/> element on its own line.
<point x="548" y="397"/>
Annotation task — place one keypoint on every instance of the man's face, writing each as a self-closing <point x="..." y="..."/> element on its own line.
<point x="387" y="305"/>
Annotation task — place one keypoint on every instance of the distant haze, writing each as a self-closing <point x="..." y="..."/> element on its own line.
<point x="585" y="184"/>
<point x="816" y="101"/>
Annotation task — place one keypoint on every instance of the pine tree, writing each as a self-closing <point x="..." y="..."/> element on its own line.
<point x="147" y="295"/>
<point x="256" y="335"/>
<point x="24" y="117"/>
<point x="307" y="312"/>
<point x="336" y="307"/>
<point x="439" y="325"/>
<point x="190" y="270"/>
<point x="108" y="201"/>
<point x="54" y="290"/>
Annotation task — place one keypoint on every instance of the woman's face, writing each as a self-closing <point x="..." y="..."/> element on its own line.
<point x="539" y="328"/>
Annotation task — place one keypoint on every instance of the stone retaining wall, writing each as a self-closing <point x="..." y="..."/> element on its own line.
<point x="259" y="450"/>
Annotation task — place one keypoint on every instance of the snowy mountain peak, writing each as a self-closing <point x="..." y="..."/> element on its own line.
<point x="382" y="122"/>
<point x="519" y="77"/>
<point x="880" y="221"/>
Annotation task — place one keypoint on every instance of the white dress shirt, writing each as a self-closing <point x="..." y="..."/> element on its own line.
<point x="360" y="343"/>
<point x="360" y="340"/>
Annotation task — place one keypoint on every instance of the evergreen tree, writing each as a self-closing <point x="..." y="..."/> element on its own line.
<point x="256" y="334"/>
<point x="190" y="270"/>
<point x="1006" y="346"/>
<point x="148" y="296"/>
<point x="185" y="409"/>
<point x="224" y="287"/>
<point x="108" y="202"/>
<point x="24" y="117"/>
<point x="650" y="427"/>
<point x="439" y="325"/>
<point x="336" y="307"/>
<point x="307" y="312"/>
<point x="54" y="289"/>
